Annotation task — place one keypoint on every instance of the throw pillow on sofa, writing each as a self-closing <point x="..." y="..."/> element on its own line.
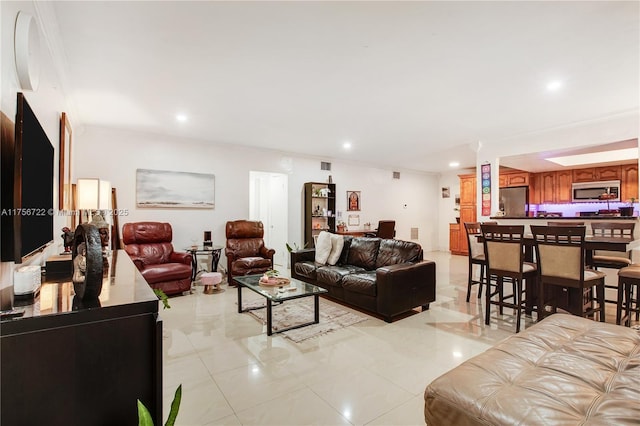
<point x="323" y="247"/>
<point x="337" y="243"/>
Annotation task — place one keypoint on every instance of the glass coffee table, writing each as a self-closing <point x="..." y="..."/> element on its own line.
<point x="295" y="289"/>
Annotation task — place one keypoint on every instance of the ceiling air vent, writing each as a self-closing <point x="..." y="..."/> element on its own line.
<point x="396" y="175"/>
<point x="325" y="165"/>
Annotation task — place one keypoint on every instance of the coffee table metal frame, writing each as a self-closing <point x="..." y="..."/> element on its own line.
<point x="275" y="294"/>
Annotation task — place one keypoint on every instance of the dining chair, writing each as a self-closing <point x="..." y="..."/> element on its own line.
<point x="611" y="259"/>
<point x="386" y="229"/>
<point x="560" y="252"/>
<point x="504" y="253"/>
<point x="628" y="294"/>
<point x="476" y="257"/>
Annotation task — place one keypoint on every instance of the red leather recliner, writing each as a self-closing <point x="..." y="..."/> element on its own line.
<point x="245" y="251"/>
<point x="149" y="246"/>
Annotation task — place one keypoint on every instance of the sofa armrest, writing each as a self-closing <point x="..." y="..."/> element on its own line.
<point x="180" y="257"/>
<point x="302" y="255"/>
<point x="405" y="286"/>
<point x="138" y="261"/>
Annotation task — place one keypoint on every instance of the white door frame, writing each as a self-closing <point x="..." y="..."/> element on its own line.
<point x="268" y="202"/>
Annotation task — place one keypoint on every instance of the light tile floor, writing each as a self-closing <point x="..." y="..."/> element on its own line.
<point x="371" y="373"/>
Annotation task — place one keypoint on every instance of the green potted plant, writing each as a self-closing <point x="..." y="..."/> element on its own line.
<point x="144" y="417"/>
<point x="341" y="226"/>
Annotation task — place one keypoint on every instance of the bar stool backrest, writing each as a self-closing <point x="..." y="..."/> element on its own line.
<point x="503" y="246"/>
<point x="560" y="251"/>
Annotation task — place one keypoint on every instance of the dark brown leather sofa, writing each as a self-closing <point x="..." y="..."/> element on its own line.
<point x="245" y="251"/>
<point x="149" y="246"/>
<point x="384" y="276"/>
<point x="564" y="370"/>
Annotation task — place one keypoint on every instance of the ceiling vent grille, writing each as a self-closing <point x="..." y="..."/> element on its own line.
<point x="396" y="175"/>
<point x="414" y="233"/>
<point x="325" y="165"/>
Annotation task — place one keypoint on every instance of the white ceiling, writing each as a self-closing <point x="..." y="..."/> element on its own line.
<point x="413" y="85"/>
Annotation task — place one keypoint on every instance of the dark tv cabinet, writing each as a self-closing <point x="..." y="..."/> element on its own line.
<point x="63" y="363"/>
<point x="319" y="210"/>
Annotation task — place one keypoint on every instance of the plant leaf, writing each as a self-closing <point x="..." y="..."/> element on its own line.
<point x="175" y="406"/>
<point x="144" y="417"/>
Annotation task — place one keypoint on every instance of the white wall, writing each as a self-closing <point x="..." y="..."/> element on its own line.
<point x="114" y="155"/>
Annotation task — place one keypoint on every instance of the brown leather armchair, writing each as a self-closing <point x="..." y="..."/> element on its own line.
<point x="149" y="246"/>
<point x="245" y="251"/>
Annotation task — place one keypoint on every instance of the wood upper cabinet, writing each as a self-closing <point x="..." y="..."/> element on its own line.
<point x="514" y="179"/>
<point x="629" y="182"/>
<point x="552" y="187"/>
<point x="593" y="174"/>
<point x="584" y="175"/>
<point x="608" y="173"/>
<point x="563" y="186"/>
<point x="467" y="189"/>
<point x="547" y="181"/>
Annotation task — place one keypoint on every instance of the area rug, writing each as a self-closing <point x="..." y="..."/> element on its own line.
<point x="299" y="311"/>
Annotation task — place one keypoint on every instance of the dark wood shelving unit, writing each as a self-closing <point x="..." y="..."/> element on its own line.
<point x="315" y="201"/>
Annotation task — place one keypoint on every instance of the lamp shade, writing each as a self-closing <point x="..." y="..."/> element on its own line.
<point x="93" y="194"/>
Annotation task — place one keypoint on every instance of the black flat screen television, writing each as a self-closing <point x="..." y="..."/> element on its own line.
<point x="34" y="182"/>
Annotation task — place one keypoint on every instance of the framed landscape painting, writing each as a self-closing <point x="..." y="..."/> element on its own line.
<point x="168" y="189"/>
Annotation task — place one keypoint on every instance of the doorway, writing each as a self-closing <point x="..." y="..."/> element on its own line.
<point x="269" y="203"/>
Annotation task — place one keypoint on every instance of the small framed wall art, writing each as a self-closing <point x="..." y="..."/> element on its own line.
<point x="353" y="201"/>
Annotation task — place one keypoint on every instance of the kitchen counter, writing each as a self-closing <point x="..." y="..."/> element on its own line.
<point x="527" y="221"/>
<point x="572" y="218"/>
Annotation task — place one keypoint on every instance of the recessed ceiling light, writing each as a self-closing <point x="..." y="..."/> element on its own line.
<point x="181" y="118"/>
<point x="346" y="145"/>
<point x="554" y="85"/>
<point x="596" y="157"/>
<point x="454" y="164"/>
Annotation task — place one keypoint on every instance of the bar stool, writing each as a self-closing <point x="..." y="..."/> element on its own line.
<point x="504" y="252"/>
<point x="560" y="251"/>
<point x="611" y="259"/>
<point x="628" y="289"/>
<point x="476" y="257"/>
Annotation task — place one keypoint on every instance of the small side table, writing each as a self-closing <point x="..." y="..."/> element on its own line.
<point x="214" y="251"/>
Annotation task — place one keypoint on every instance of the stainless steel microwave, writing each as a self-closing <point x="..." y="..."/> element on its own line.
<point x="592" y="191"/>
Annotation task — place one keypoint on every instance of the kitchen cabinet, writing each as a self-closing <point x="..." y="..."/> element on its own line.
<point x="546" y="191"/>
<point x="514" y="179"/>
<point x="551" y="187"/>
<point x="594" y="174"/>
<point x="467" y="189"/>
<point x="563" y="180"/>
<point x="454" y="238"/>
<point x="467" y="209"/>
<point x="629" y="182"/>
<point x="319" y="210"/>
<point x="584" y="175"/>
<point x="608" y="173"/>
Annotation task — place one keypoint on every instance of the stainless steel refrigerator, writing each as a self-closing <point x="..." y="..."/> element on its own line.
<point x="514" y="201"/>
